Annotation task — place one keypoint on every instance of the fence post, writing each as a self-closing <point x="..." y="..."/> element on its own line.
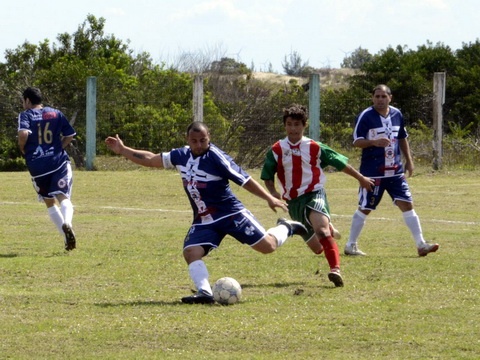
<point x="91" y="119"/>
<point x="198" y="98"/>
<point x="438" y="101"/>
<point x="314" y="107"/>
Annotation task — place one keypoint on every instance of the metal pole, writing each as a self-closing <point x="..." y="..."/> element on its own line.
<point x="91" y="119"/>
<point x="314" y="107"/>
<point x="198" y="98"/>
<point x="438" y="101"/>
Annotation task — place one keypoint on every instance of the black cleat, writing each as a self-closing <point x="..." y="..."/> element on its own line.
<point x="335" y="277"/>
<point x="294" y="227"/>
<point x="70" y="242"/>
<point x="199" y="297"/>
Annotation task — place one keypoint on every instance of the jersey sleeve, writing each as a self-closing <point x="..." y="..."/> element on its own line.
<point x="269" y="168"/>
<point x="361" y="125"/>
<point x="67" y="129"/>
<point x="329" y="157"/>
<point x="23" y="123"/>
<point x="227" y="167"/>
<point x="167" y="160"/>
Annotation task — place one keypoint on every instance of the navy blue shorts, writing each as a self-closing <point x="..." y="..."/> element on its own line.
<point x="242" y="226"/>
<point x="58" y="182"/>
<point x="396" y="186"/>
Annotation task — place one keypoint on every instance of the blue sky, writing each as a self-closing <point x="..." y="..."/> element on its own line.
<point x="322" y="32"/>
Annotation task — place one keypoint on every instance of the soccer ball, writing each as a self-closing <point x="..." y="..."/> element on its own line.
<point x="227" y="291"/>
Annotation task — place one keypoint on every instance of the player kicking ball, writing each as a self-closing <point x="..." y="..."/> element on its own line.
<point x="206" y="172"/>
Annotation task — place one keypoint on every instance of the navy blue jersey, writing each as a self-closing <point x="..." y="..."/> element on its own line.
<point x="377" y="161"/>
<point x="206" y="182"/>
<point x="43" y="149"/>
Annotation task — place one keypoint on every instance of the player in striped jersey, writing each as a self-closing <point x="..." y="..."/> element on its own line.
<point x="380" y="133"/>
<point x="298" y="163"/>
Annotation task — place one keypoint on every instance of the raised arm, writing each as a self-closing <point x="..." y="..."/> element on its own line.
<point x="140" y="157"/>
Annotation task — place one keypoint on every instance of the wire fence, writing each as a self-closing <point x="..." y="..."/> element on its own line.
<point x="242" y="127"/>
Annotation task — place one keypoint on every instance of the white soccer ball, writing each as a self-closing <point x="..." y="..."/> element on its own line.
<point x="227" y="291"/>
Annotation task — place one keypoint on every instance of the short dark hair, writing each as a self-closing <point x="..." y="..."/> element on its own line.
<point x="382" y="87"/>
<point x="33" y="94"/>
<point x="296" y="112"/>
<point x="197" y="126"/>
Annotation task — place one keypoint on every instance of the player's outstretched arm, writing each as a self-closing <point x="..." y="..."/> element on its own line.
<point x="270" y="185"/>
<point x="140" y="157"/>
<point x="255" y="188"/>
<point x="364" y="181"/>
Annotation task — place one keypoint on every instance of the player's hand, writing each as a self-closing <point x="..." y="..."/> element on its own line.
<point x="382" y="142"/>
<point x="367" y="183"/>
<point x="115" y="144"/>
<point x="277" y="203"/>
<point x="408" y="166"/>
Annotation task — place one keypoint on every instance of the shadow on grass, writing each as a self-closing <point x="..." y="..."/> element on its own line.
<point x="178" y="302"/>
<point x="7" y="256"/>
<point x="275" y="285"/>
<point x="139" y="303"/>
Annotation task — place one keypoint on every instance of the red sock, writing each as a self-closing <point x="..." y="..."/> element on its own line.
<point x="330" y="249"/>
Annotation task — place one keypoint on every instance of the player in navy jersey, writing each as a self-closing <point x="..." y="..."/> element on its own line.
<point x="206" y="171"/>
<point x="43" y="135"/>
<point x="298" y="162"/>
<point x="380" y="133"/>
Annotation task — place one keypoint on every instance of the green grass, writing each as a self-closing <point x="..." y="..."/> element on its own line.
<point x="117" y="296"/>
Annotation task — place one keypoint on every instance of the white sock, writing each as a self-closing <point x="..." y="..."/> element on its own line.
<point x="280" y="232"/>
<point x="66" y="208"/>
<point x="358" y="220"/>
<point x="199" y="274"/>
<point x="56" y="217"/>
<point x="413" y="223"/>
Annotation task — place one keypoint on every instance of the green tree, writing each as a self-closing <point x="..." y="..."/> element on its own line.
<point x="357" y="59"/>
<point x="293" y="64"/>
<point x="409" y="74"/>
<point x="463" y="91"/>
<point x="229" y="66"/>
<point x="144" y="102"/>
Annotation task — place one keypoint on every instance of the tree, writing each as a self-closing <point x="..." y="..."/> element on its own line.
<point x="228" y="66"/>
<point x="409" y="74"/>
<point x="293" y="64"/>
<point x="148" y="104"/>
<point x="357" y="59"/>
<point x="463" y="91"/>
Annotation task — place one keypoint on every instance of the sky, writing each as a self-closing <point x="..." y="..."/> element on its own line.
<point x="262" y="33"/>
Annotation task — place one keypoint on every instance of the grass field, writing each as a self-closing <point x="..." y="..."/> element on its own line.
<point x="117" y="296"/>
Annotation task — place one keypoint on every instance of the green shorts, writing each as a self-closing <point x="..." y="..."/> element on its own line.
<point x="300" y="208"/>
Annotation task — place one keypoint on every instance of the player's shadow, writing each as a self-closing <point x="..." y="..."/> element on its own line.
<point x="8" y="256"/>
<point x="275" y="285"/>
<point x="138" y="303"/>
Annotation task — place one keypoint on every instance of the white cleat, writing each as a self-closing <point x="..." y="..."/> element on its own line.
<point x="353" y="250"/>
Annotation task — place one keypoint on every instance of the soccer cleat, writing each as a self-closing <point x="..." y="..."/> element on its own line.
<point x="352" y="249"/>
<point x="427" y="248"/>
<point x="335" y="233"/>
<point x="294" y="227"/>
<point x="200" y="297"/>
<point x="335" y="277"/>
<point x="70" y="242"/>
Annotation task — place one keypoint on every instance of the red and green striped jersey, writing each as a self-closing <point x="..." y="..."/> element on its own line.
<point x="299" y="167"/>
